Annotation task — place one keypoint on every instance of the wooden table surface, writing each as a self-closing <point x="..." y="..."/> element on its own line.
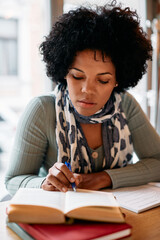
<point x="5" y="232"/>
<point x="145" y="226"/>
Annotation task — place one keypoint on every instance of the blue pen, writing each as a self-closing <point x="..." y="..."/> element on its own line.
<point x="72" y="184"/>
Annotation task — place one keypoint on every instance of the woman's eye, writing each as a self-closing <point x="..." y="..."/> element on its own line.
<point x="104" y="82"/>
<point x="78" y="78"/>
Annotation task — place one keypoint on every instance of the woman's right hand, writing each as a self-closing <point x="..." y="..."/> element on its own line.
<point x="59" y="178"/>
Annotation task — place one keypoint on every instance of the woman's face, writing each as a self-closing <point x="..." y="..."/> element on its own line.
<point x="90" y="82"/>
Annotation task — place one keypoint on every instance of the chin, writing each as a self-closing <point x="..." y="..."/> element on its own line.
<point x="86" y="113"/>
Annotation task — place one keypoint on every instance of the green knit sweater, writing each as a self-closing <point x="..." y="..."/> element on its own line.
<point x="35" y="151"/>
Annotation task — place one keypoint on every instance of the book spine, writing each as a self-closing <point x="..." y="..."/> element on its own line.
<point x="19" y="231"/>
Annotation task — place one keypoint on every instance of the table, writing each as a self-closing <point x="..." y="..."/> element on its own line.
<point x="145" y="225"/>
<point x="5" y="232"/>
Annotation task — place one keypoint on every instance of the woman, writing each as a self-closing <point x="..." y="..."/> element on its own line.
<point x="89" y="121"/>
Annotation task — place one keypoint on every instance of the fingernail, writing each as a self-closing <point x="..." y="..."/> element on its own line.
<point x="72" y="179"/>
<point x="64" y="189"/>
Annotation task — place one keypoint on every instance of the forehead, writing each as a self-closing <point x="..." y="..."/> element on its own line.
<point x="95" y="55"/>
<point x="92" y="59"/>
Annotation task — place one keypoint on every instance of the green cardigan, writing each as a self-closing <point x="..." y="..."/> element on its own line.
<point x="35" y="151"/>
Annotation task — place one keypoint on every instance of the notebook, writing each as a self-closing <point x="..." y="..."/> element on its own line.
<point x="77" y="231"/>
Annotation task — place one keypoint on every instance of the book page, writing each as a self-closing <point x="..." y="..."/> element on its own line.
<point x="156" y="184"/>
<point x="138" y="199"/>
<point x="88" y="198"/>
<point x="39" y="197"/>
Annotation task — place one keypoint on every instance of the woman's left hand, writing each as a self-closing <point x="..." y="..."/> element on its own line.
<point x="94" y="181"/>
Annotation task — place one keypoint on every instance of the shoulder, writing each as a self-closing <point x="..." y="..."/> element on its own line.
<point x="45" y="100"/>
<point x="130" y="106"/>
<point x="135" y="116"/>
<point x="128" y="100"/>
<point x="44" y="103"/>
<point x="40" y="108"/>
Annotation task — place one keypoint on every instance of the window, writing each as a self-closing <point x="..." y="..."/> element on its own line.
<point x="23" y="25"/>
<point x="8" y="47"/>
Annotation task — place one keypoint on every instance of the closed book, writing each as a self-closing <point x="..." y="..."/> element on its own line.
<point x="77" y="231"/>
<point x="31" y="205"/>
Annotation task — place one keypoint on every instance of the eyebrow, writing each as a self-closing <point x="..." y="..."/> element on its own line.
<point x="97" y="74"/>
<point x="104" y="73"/>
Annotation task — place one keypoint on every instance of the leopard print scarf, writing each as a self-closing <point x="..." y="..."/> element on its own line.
<point x="71" y="142"/>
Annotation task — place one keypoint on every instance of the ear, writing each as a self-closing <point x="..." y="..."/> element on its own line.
<point x="116" y="85"/>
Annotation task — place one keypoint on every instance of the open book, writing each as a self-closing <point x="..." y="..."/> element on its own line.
<point x="139" y="199"/>
<point x="30" y="205"/>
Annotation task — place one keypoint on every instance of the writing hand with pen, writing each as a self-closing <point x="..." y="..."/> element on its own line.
<point x="61" y="178"/>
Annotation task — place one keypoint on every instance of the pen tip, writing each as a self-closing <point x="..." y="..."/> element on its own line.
<point x="74" y="189"/>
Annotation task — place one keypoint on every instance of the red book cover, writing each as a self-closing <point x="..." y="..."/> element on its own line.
<point x="77" y="231"/>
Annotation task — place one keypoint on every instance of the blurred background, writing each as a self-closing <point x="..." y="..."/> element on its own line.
<point x="23" y="25"/>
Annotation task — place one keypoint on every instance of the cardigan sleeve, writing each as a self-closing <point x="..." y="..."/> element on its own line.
<point x="30" y="146"/>
<point x="146" y="143"/>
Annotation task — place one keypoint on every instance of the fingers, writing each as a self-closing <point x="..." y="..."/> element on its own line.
<point x="57" y="183"/>
<point x="58" y="178"/>
<point x="67" y="173"/>
<point x="48" y="186"/>
<point x="56" y="174"/>
<point x="78" y="178"/>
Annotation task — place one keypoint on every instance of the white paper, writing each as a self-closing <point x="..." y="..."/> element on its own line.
<point x="82" y="199"/>
<point x="39" y="197"/>
<point x="138" y="199"/>
<point x="156" y="184"/>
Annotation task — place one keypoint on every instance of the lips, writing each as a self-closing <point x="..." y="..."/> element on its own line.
<point x="86" y="103"/>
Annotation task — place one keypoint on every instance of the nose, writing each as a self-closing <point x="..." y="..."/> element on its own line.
<point x="88" y="86"/>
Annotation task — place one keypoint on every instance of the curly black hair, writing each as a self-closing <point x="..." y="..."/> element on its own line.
<point x="115" y="31"/>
